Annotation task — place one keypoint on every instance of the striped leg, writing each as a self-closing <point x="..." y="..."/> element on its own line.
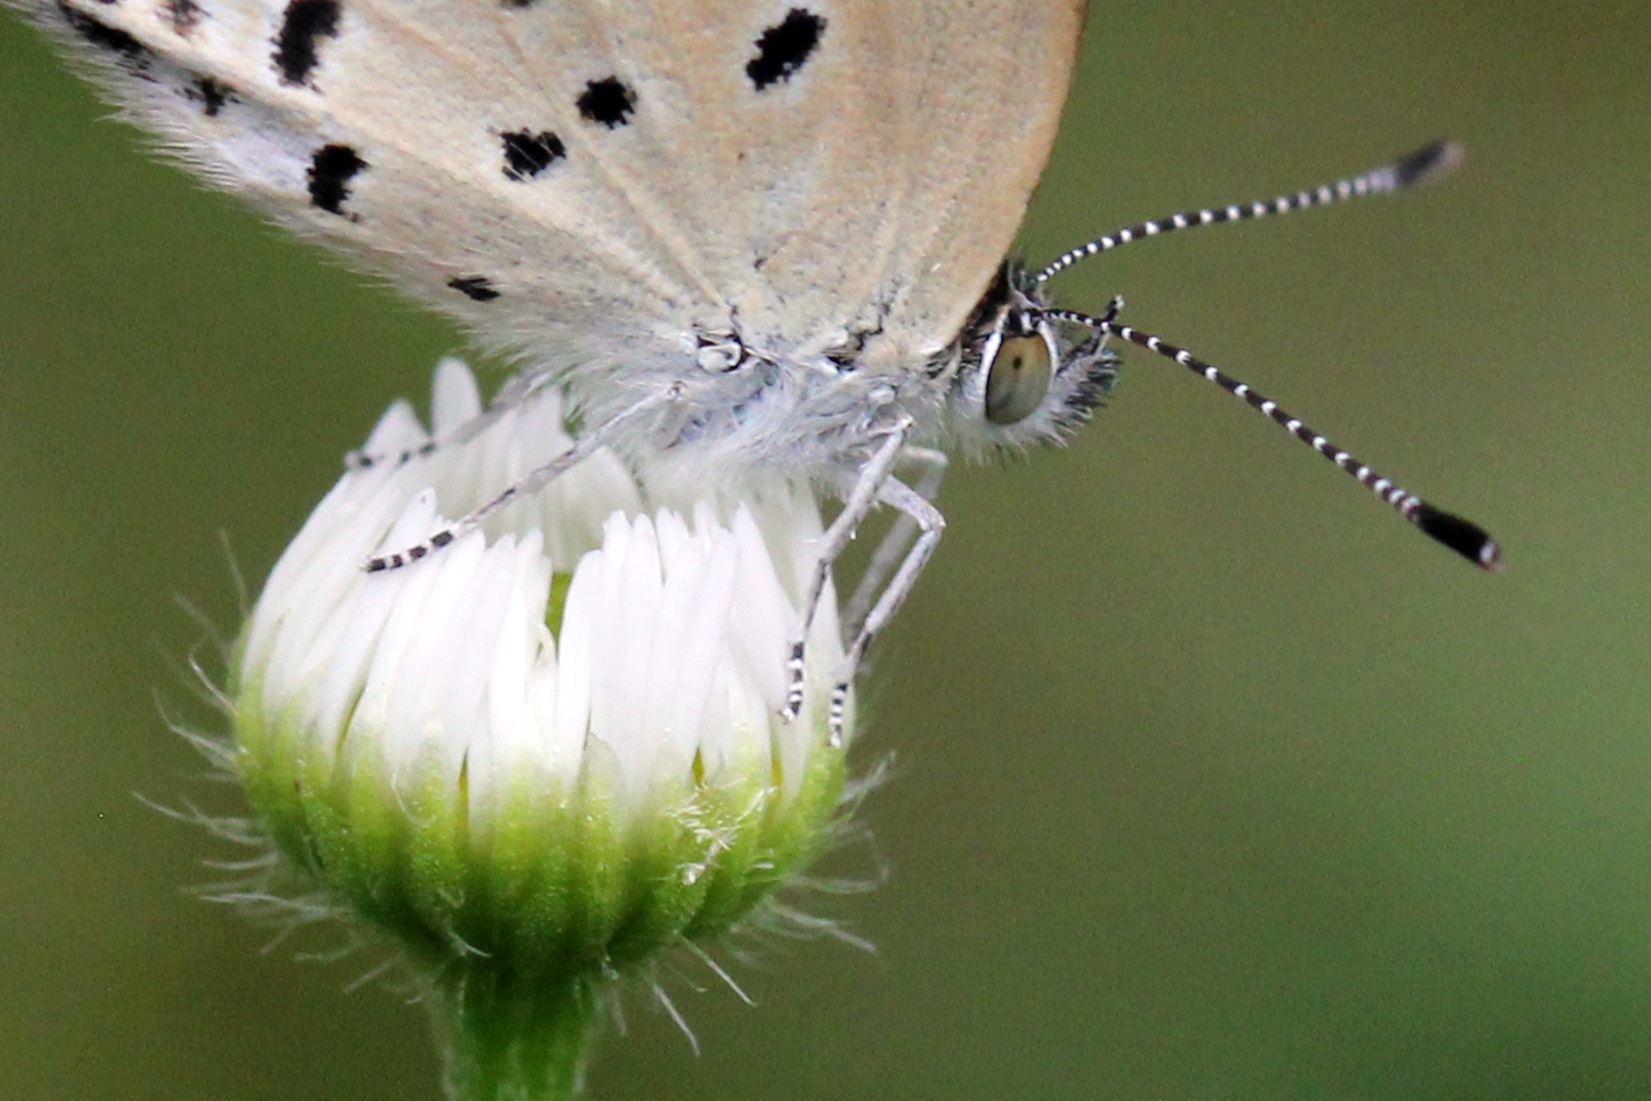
<point x="861" y="498"/>
<point x="930" y="525"/>
<point x="513" y="393"/>
<point x="892" y="549"/>
<point x="531" y="483"/>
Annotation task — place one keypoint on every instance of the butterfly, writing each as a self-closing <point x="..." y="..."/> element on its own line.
<point x="740" y="234"/>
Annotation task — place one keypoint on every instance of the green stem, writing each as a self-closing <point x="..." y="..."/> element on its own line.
<point x="513" y="1039"/>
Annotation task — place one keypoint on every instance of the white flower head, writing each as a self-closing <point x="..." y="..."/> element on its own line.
<point x="556" y="743"/>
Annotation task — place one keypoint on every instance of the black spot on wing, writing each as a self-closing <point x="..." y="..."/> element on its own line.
<point x="527" y="154"/>
<point x="331" y="170"/>
<point x="104" y="37"/>
<point x="184" y="15"/>
<point x="209" y="93"/>
<point x="303" y="24"/>
<point x="477" y="287"/>
<point x="607" y="101"/>
<point x="783" y="48"/>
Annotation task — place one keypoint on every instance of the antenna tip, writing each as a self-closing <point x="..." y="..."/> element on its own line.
<point x="1428" y="163"/>
<point x="1464" y="537"/>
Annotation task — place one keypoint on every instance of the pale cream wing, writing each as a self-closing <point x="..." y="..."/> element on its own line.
<point x="898" y="162"/>
<point x="844" y="167"/>
<point x="595" y="183"/>
<point x="432" y="143"/>
<point x="995" y="78"/>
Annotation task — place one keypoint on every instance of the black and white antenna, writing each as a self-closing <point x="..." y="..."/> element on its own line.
<point x="1427" y="163"/>
<point x="1459" y="534"/>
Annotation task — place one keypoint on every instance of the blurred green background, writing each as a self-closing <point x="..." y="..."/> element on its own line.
<point x="1215" y="780"/>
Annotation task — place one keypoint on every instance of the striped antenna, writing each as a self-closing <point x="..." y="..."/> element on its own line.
<point x="1427" y="163"/>
<point x="1461" y="535"/>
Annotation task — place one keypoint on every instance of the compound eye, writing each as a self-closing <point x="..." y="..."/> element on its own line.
<point x="1018" y="378"/>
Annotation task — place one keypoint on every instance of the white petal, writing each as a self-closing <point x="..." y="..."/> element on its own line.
<point x="670" y="648"/>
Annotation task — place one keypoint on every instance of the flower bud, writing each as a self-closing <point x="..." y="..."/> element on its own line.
<point x="552" y="750"/>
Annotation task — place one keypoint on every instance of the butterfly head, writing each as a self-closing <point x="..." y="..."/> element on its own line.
<point x="1022" y="377"/>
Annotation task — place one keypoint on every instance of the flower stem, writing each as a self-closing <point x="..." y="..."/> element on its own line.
<point x="515" y="1039"/>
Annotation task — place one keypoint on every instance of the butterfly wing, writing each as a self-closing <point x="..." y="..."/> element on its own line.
<point x="983" y="84"/>
<point x="594" y="183"/>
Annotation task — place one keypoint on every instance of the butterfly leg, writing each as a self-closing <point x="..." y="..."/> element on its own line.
<point x="510" y="396"/>
<point x="921" y="512"/>
<point x="531" y="483"/>
<point x="859" y="501"/>
<point x="893" y="547"/>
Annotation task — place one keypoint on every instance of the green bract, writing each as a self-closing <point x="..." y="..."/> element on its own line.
<point x="552" y="750"/>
